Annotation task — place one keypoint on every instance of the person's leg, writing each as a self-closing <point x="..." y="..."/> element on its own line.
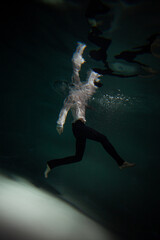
<point x="80" y="147"/>
<point x="96" y="136"/>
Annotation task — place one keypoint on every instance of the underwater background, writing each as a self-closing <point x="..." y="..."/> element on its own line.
<point x="37" y="41"/>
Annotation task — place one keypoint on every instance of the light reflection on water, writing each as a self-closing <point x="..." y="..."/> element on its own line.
<point x="114" y="101"/>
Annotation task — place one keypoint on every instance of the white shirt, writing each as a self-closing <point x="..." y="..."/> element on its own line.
<point x="79" y="93"/>
<point x="77" y="102"/>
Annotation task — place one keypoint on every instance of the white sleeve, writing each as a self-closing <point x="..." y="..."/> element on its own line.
<point x="77" y="61"/>
<point x="64" y="111"/>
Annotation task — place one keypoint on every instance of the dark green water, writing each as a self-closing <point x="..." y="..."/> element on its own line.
<point x="36" y="46"/>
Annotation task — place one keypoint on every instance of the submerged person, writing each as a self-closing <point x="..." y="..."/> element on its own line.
<point x="79" y="94"/>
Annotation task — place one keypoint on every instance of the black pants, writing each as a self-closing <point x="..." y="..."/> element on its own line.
<point x="81" y="133"/>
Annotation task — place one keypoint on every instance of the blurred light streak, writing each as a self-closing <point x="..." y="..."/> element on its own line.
<point x="27" y="212"/>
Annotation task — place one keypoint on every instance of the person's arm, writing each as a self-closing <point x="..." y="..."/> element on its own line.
<point x="77" y="61"/>
<point x="63" y="114"/>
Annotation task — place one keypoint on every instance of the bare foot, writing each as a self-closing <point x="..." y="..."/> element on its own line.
<point x="126" y="165"/>
<point x="47" y="171"/>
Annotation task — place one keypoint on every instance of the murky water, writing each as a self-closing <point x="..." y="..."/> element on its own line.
<point x="122" y="40"/>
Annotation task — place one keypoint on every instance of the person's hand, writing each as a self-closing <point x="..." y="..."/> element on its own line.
<point x="59" y="129"/>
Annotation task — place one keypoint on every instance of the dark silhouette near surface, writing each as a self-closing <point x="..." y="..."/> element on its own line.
<point x="95" y="12"/>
